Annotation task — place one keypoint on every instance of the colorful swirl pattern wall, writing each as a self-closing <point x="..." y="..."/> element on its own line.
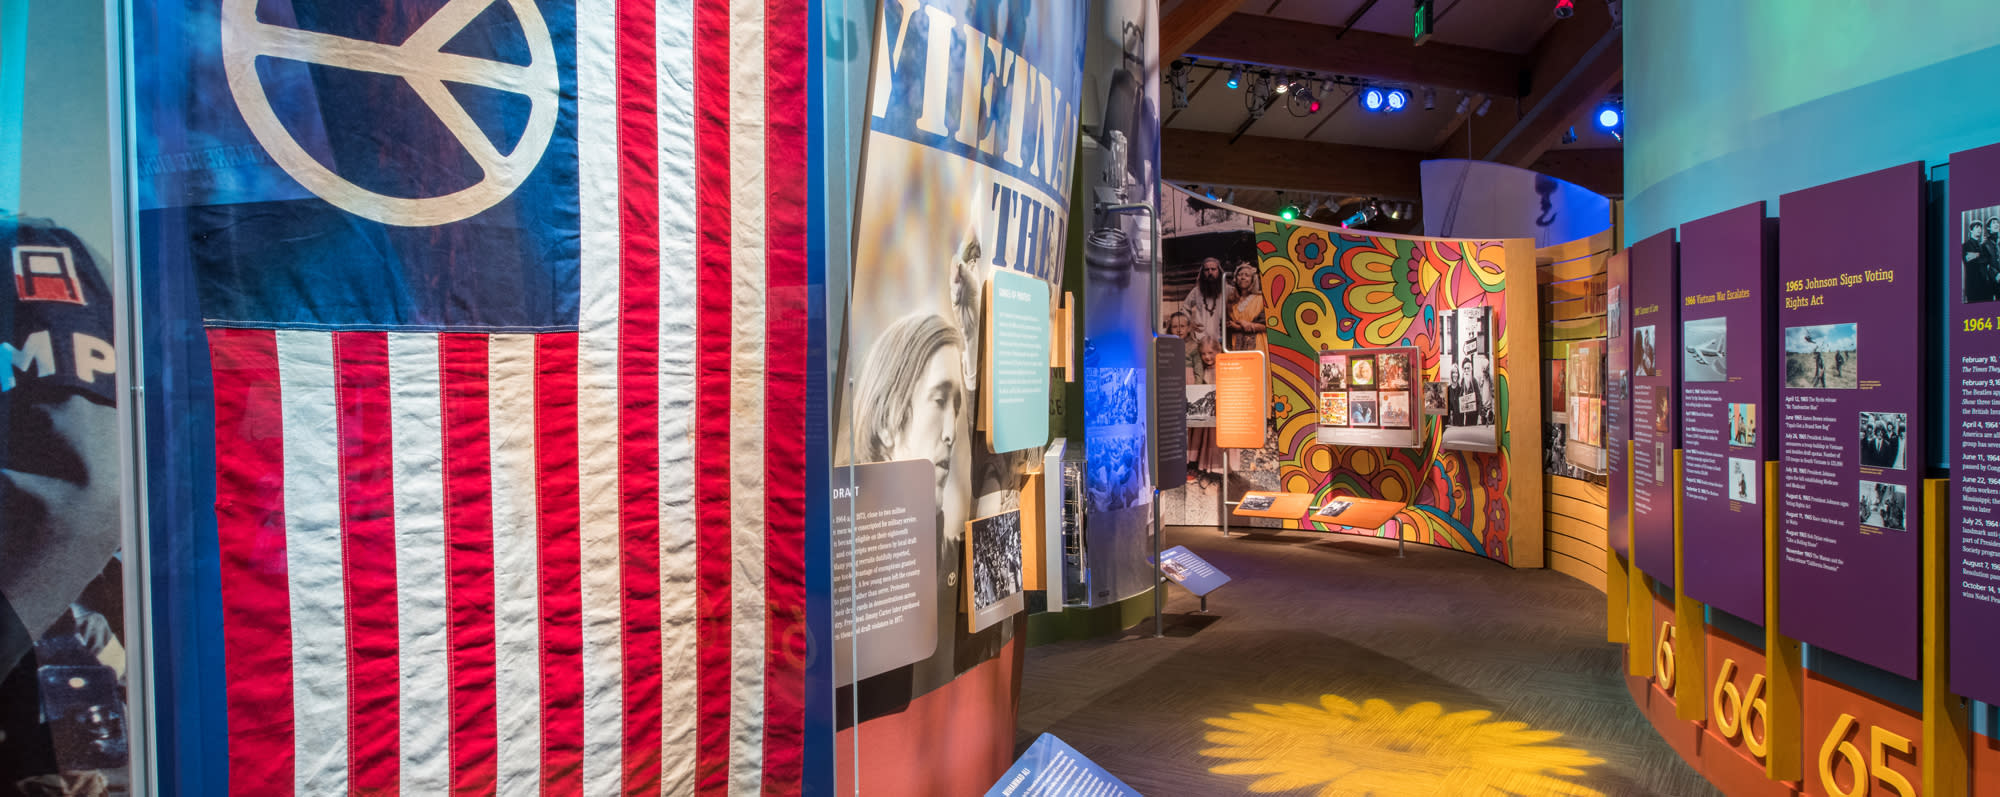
<point x="1328" y="290"/>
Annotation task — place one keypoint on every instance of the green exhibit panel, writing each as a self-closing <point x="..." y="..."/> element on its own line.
<point x="1656" y="420"/>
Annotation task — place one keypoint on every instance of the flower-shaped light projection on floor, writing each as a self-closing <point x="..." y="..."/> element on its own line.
<point x="1342" y="748"/>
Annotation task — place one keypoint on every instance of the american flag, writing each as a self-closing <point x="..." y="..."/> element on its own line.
<point x="555" y="550"/>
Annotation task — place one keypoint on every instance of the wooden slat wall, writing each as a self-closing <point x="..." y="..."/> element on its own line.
<point x="1574" y="516"/>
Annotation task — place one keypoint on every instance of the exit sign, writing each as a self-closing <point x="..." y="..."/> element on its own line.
<point x="1423" y="21"/>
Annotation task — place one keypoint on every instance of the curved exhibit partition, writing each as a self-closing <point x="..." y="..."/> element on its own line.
<point x="1304" y="293"/>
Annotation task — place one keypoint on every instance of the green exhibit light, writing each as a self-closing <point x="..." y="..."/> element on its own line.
<point x="1289" y="212"/>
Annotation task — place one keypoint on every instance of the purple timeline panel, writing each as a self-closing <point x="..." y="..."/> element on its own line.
<point x="1850" y="415"/>
<point x="1618" y="394"/>
<point x="1656" y="422"/>
<point x="1973" y="260"/>
<point x="1727" y="280"/>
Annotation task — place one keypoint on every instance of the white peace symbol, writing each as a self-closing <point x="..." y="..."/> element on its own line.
<point x="420" y="62"/>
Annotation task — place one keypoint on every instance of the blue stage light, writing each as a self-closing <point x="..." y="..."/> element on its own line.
<point x="1398" y="99"/>
<point x="1236" y="77"/>
<point x="1611" y="116"/>
<point x="1374" y="99"/>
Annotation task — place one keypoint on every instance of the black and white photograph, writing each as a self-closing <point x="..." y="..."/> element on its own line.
<point x="1467" y="370"/>
<point x="993" y="569"/>
<point x="1361" y="410"/>
<point x="1643" y="362"/>
<point x="1117" y="464"/>
<point x="1825" y="355"/>
<point x="1333" y="508"/>
<point x="1660" y="462"/>
<point x="1114" y="393"/>
<point x="1743" y="424"/>
<point x="1979" y="254"/>
<point x="1882" y="438"/>
<point x="1706" y="344"/>
<point x="1884" y="505"/>
<point x="1743" y="480"/>
<point x="1257" y="503"/>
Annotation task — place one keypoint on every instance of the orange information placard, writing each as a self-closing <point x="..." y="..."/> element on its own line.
<point x="1241" y="403"/>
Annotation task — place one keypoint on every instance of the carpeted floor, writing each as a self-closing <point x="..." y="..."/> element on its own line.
<point x="1333" y="667"/>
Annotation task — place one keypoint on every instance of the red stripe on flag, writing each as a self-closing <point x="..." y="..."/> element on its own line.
<point x="785" y="160"/>
<point x="639" y="390"/>
<point x="557" y="495"/>
<point x="250" y="532"/>
<point x="468" y="530"/>
<point x="713" y="282"/>
<point x="368" y="535"/>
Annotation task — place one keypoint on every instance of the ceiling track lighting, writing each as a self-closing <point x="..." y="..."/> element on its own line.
<point x="1177" y="78"/>
<point x="1430" y="99"/>
<point x="1484" y="106"/>
<point x="1236" y="76"/>
<point x="1464" y="103"/>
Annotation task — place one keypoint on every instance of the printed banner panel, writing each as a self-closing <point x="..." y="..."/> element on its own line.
<point x="1726" y="281"/>
<point x="1655" y="342"/>
<point x="1850" y="320"/>
<point x="1974" y="267"/>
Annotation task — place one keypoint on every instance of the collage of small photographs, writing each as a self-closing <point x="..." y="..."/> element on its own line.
<point x="1705" y="358"/>
<point x="1368" y="391"/>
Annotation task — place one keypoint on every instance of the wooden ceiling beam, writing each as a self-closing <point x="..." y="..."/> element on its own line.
<point x="1570" y="69"/>
<point x="1290" y="44"/>
<point x="1190" y="21"/>
<point x="1205" y="158"/>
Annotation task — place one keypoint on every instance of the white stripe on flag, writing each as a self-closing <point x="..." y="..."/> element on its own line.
<point x="416" y="427"/>
<point x="746" y="399"/>
<point x="516" y="575"/>
<point x="675" y="101"/>
<point x="307" y="390"/>
<point x="597" y="397"/>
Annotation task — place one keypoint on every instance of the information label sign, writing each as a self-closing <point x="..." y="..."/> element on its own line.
<point x="1726" y="281"/>
<point x="1618" y="396"/>
<point x="1974" y="255"/>
<point x="1850" y="317"/>
<point x="1017" y="346"/>
<point x="1191" y="571"/>
<point x="1053" y="769"/>
<point x="1170" y="459"/>
<point x="1656" y="427"/>
<point x="1241" y="401"/>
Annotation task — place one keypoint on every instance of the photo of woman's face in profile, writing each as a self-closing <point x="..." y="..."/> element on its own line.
<point x="934" y="408"/>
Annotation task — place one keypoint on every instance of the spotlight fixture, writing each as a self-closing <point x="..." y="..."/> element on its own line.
<point x="1286" y="210"/>
<point x="1565" y="9"/>
<point x="1231" y="199"/>
<point x="1178" y="79"/>
<point x="1485" y="105"/>
<point x="1311" y="208"/>
<point x="1398" y="100"/>
<point x="1464" y="103"/>
<point x="1430" y="99"/>
<point x="1569" y="136"/>
<point x="1284" y="84"/>
<point x="1236" y="76"/>
<point x="1312" y="104"/>
<point x="1611" y="116"/>
<point x="1373" y="99"/>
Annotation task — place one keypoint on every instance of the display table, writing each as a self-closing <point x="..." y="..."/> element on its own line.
<point x="1340" y="510"/>
<point x="1360" y="513"/>
<point x="1273" y="505"/>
